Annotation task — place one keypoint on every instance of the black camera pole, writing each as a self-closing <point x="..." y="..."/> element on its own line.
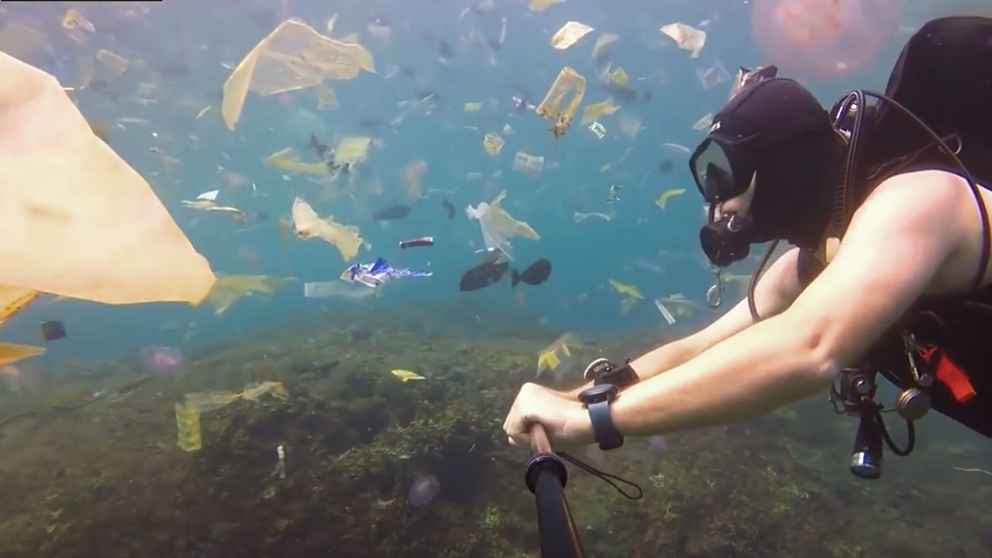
<point x="546" y="477"/>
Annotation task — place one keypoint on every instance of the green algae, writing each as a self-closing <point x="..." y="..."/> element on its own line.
<point x="106" y="479"/>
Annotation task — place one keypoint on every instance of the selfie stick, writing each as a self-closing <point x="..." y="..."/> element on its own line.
<point x="546" y="477"/>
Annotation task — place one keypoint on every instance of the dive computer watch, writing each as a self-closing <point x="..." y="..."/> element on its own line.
<point x="602" y="371"/>
<point x="597" y="401"/>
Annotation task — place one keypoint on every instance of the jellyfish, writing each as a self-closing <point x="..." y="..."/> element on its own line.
<point x="823" y="39"/>
<point x="423" y="490"/>
<point x="164" y="361"/>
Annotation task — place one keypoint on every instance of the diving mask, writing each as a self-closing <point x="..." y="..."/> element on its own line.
<point x="726" y="238"/>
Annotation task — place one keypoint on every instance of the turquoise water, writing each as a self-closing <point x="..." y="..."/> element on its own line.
<point x="207" y="38"/>
<point x="585" y="255"/>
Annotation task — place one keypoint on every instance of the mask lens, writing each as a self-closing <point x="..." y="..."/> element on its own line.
<point x="713" y="173"/>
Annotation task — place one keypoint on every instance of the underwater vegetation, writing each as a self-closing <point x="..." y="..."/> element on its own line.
<point x="345" y="459"/>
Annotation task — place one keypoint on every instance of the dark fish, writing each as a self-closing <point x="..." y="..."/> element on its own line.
<point x="407" y="72"/>
<point x="344" y="168"/>
<point x="535" y="274"/>
<point x="482" y="276"/>
<point x="370" y="123"/>
<point x="445" y="50"/>
<point x="101" y="86"/>
<point x="173" y="69"/>
<point x="647" y="96"/>
<point x="52" y="330"/>
<point x="319" y="148"/>
<point x="449" y="207"/>
<point x="260" y="217"/>
<point x="621" y="93"/>
<point x="601" y="63"/>
<point x="392" y="213"/>
<point x="665" y="166"/>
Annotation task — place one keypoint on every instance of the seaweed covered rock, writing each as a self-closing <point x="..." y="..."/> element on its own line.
<point x="325" y="466"/>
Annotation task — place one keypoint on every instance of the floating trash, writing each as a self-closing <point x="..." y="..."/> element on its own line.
<point x="188" y="427"/>
<point x="377" y="273"/>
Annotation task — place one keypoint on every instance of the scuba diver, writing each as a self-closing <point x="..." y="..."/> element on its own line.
<point x="885" y="200"/>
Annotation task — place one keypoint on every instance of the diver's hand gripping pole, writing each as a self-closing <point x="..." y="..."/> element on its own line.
<point x="546" y="477"/>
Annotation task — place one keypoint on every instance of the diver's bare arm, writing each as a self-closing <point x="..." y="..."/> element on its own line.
<point x="775" y="291"/>
<point x="892" y="251"/>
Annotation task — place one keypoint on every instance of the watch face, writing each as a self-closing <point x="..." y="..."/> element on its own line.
<point x="595" y="394"/>
<point x="596" y="368"/>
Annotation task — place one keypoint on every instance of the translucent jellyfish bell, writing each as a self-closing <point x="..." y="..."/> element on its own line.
<point x="423" y="489"/>
<point x="823" y="39"/>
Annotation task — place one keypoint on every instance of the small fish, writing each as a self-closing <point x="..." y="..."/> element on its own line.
<point x="52" y="330"/>
<point x="620" y="92"/>
<point x="483" y="275"/>
<point x="449" y="207"/>
<point x="666" y="166"/>
<point x="535" y="274"/>
<point x="407" y="376"/>
<point x="371" y="123"/>
<point x="614" y="193"/>
<point x="445" y="51"/>
<point x="392" y="213"/>
<point x="173" y="69"/>
<point x="601" y="63"/>
<point x="319" y="148"/>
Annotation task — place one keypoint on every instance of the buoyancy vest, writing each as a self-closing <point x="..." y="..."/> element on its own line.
<point x="944" y="77"/>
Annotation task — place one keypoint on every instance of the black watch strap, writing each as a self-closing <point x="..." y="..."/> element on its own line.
<point x="604" y="431"/>
<point x="598" y="400"/>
